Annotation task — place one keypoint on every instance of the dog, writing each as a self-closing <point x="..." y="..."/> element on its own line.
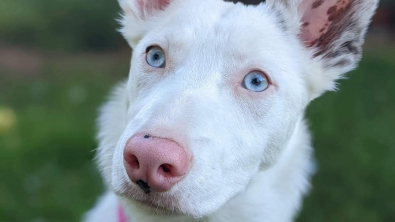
<point x="210" y="124"/>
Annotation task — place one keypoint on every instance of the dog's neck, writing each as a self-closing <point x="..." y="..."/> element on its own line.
<point x="273" y="194"/>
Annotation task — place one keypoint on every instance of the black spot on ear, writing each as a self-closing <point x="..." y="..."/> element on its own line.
<point x="342" y="63"/>
<point x="345" y="48"/>
<point x="349" y="47"/>
<point x="247" y="2"/>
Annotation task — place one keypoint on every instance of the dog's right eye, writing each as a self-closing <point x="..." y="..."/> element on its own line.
<point x="156" y="57"/>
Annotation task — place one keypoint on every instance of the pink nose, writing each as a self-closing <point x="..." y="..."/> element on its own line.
<point x="155" y="164"/>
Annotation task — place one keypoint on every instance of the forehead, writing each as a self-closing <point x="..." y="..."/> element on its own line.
<point x="223" y="33"/>
<point x="222" y="23"/>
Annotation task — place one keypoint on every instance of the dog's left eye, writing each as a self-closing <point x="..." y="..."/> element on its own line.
<point x="156" y="57"/>
<point x="255" y="81"/>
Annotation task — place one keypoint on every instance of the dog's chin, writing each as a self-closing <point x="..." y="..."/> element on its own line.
<point x="161" y="204"/>
<point x="156" y="209"/>
<point x="156" y="203"/>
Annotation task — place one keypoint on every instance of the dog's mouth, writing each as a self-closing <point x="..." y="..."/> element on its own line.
<point x="146" y="198"/>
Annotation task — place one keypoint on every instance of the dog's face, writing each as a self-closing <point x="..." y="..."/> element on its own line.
<point x="227" y="84"/>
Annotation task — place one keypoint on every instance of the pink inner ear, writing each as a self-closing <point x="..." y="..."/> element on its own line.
<point x="150" y="6"/>
<point x="320" y="18"/>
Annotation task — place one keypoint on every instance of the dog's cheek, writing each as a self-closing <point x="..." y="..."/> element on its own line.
<point x="143" y="80"/>
<point x="139" y="78"/>
<point x="111" y="123"/>
<point x="270" y="124"/>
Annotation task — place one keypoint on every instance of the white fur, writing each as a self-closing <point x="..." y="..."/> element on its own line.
<point x="252" y="157"/>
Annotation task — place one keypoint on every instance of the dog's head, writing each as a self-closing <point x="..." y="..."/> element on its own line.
<point x="216" y="90"/>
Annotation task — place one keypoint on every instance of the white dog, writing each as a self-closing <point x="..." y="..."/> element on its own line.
<point x="210" y="124"/>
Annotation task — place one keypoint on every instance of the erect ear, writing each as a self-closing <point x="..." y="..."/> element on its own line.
<point x="136" y="17"/>
<point x="334" y="31"/>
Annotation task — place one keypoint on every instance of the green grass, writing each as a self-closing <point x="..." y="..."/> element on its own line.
<point x="46" y="168"/>
<point x="354" y="139"/>
<point x="61" y="25"/>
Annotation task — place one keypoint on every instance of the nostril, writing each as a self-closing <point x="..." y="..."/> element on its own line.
<point x="133" y="161"/>
<point x="166" y="170"/>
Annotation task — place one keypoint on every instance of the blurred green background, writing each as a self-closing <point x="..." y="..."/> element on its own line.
<point x="59" y="59"/>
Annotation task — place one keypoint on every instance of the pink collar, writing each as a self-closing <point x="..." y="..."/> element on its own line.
<point x="121" y="214"/>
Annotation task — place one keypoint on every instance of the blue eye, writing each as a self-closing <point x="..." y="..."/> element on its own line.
<point x="156" y="57"/>
<point x="255" y="81"/>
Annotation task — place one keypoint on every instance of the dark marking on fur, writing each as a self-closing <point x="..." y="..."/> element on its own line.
<point x="281" y="20"/>
<point x="144" y="186"/>
<point x="332" y="10"/>
<point x="349" y="47"/>
<point x="247" y="2"/>
<point x="343" y="62"/>
<point x="305" y="24"/>
<point x="333" y="54"/>
<point x="340" y="19"/>
<point x="317" y="4"/>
